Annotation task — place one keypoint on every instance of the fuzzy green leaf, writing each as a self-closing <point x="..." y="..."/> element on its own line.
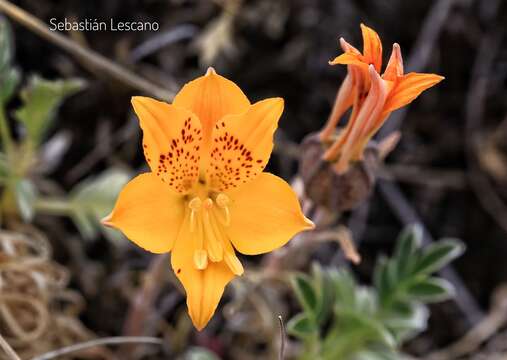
<point x="200" y="353"/>
<point x="26" y="194"/>
<point x="41" y="98"/>
<point x="437" y="255"/>
<point x="301" y="326"/>
<point x="305" y="293"/>
<point x="94" y="198"/>
<point x="9" y="76"/>
<point x="431" y="290"/>
<point x="405" y="253"/>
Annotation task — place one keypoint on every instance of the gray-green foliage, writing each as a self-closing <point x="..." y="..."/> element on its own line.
<point x="41" y="98"/>
<point x="344" y="320"/>
<point x="91" y="199"/>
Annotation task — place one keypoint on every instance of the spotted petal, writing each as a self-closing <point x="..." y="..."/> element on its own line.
<point x="242" y="145"/>
<point x="172" y="138"/>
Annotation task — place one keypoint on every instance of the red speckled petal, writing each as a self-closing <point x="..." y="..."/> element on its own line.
<point x="172" y="139"/>
<point x="242" y="145"/>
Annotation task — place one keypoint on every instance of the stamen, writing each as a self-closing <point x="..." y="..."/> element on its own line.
<point x="233" y="263"/>
<point x="213" y="245"/>
<point x="230" y="257"/>
<point x="194" y="205"/>
<point x="223" y="201"/>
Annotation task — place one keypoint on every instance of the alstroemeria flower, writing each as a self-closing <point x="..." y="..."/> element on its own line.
<point x="207" y="196"/>
<point x="372" y="97"/>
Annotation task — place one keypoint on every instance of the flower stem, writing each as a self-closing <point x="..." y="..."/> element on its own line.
<point x="5" y="134"/>
<point x="53" y="206"/>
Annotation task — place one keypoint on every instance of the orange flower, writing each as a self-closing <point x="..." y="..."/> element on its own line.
<point x="207" y="196"/>
<point x="372" y="97"/>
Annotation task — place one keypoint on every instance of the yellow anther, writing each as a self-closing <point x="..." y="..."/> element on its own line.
<point x="200" y="259"/>
<point x="222" y="200"/>
<point x="195" y="204"/>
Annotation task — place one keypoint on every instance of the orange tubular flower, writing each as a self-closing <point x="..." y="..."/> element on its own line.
<point x="207" y="196"/>
<point x="372" y="97"/>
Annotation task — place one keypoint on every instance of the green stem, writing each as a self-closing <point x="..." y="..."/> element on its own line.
<point x="53" y="206"/>
<point x="5" y="132"/>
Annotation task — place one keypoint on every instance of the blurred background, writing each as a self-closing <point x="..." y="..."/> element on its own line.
<point x="449" y="171"/>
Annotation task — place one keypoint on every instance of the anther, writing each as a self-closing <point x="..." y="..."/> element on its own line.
<point x="200" y="259"/>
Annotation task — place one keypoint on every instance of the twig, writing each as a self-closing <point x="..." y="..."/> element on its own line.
<point x="404" y="211"/>
<point x="281" y="355"/>
<point x="11" y="354"/>
<point x="99" y="342"/>
<point x="481" y="332"/>
<point x="481" y="184"/>
<point x="86" y="57"/>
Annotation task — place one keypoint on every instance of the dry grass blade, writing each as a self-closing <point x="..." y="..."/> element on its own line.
<point x="11" y="354"/>
<point x="98" y="342"/>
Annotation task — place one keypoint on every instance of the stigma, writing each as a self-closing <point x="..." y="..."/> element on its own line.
<point x="208" y="221"/>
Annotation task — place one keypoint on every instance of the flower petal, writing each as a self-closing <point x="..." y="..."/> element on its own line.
<point x="394" y="68"/>
<point x="149" y="213"/>
<point x="372" y="47"/>
<point x="349" y="59"/>
<point x="242" y="144"/>
<point x="172" y="140"/>
<point x="211" y="97"/>
<point x="204" y="288"/>
<point x="408" y="88"/>
<point x="265" y="215"/>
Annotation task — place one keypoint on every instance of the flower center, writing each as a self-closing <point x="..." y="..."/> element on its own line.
<point x="208" y="220"/>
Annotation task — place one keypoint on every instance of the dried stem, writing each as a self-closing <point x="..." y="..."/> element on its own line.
<point x="88" y="58"/>
<point x="99" y="342"/>
<point x="11" y="354"/>
<point x="281" y="355"/>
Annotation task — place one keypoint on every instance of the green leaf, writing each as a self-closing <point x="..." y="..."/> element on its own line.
<point x="305" y="293"/>
<point x="9" y="76"/>
<point x="324" y="293"/>
<point x="94" y="198"/>
<point x="301" y="326"/>
<point x="200" y="353"/>
<point x="41" y="98"/>
<point x="26" y="194"/>
<point x="408" y="243"/>
<point x="437" y="255"/>
<point x="431" y="290"/>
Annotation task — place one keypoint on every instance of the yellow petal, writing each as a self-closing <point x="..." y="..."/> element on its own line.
<point x="211" y="97"/>
<point x="408" y="88"/>
<point x="265" y="215"/>
<point x="172" y="139"/>
<point x="148" y="213"/>
<point x="242" y="145"/>
<point x="204" y="288"/>
<point x="372" y="47"/>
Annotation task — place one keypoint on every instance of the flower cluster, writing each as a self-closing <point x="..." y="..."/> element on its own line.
<point x="371" y="95"/>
